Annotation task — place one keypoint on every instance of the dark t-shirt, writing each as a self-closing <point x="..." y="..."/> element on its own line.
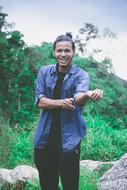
<point x="55" y="139"/>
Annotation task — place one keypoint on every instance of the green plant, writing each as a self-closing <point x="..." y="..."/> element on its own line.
<point x="6" y="142"/>
<point x="103" y="142"/>
<point x="88" y="181"/>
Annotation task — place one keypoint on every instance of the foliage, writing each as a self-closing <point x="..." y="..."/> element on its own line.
<point x="103" y="142"/>
<point x="37" y="56"/>
<point x="91" y="42"/>
<point x="88" y="180"/>
<point x="86" y="33"/>
<point x="17" y="77"/>
<point x="16" y="144"/>
<point x="6" y="143"/>
<point x="22" y="152"/>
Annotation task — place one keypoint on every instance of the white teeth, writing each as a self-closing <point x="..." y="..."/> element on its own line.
<point x="63" y="60"/>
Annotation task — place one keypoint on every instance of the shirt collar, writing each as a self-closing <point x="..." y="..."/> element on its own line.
<point x="72" y="69"/>
<point x="55" y="69"/>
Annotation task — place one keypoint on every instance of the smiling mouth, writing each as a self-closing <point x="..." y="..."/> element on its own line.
<point x="63" y="59"/>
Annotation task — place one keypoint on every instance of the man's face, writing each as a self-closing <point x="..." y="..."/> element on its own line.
<point x="64" y="53"/>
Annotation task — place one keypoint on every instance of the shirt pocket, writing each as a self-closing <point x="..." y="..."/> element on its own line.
<point x="68" y="90"/>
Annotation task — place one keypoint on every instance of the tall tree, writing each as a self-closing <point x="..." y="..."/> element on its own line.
<point x="86" y="33"/>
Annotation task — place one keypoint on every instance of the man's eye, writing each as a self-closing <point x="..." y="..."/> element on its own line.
<point x="67" y="50"/>
<point x="59" y="50"/>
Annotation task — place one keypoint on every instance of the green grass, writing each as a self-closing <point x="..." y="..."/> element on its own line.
<point x="88" y="181"/>
<point x="103" y="142"/>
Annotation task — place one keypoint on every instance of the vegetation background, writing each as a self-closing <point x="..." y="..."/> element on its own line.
<point x="106" y="120"/>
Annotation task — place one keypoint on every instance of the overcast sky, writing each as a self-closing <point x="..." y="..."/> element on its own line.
<point x="44" y="20"/>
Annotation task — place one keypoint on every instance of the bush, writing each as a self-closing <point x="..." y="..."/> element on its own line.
<point x="16" y="144"/>
<point x="6" y="143"/>
<point x="103" y="142"/>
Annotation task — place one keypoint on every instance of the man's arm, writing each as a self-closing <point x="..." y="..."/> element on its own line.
<point x="95" y="95"/>
<point x="47" y="103"/>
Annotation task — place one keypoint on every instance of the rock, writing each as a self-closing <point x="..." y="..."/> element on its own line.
<point x="18" y="175"/>
<point x="91" y="165"/>
<point x="116" y="177"/>
<point x="5" y="176"/>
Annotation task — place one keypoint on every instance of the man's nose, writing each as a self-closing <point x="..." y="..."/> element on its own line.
<point x="63" y="53"/>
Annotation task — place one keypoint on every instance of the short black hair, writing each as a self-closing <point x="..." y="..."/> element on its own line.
<point x="67" y="37"/>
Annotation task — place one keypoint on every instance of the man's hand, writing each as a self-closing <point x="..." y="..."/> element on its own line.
<point x="95" y="95"/>
<point x="68" y="104"/>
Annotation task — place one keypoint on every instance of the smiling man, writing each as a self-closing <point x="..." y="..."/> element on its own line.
<point x="61" y="91"/>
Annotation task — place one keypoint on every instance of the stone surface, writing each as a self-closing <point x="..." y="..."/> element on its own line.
<point x="20" y="174"/>
<point x="116" y="177"/>
<point x="91" y="165"/>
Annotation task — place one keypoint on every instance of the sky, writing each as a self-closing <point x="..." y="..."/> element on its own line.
<point x="44" y="20"/>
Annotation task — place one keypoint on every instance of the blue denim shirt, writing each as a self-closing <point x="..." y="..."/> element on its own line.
<point x="73" y="126"/>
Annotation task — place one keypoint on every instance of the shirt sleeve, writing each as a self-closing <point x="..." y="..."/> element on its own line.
<point x="40" y="85"/>
<point x="82" y="84"/>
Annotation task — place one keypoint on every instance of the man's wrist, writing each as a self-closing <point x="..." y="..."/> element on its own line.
<point x="59" y="103"/>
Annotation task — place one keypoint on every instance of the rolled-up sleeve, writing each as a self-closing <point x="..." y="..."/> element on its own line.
<point x="82" y="84"/>
<point x="40" y="85"/>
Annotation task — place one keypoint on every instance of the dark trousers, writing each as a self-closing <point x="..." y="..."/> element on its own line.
<point x="53" y="163"/>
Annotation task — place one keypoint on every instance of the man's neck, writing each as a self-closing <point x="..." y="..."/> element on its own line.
<point x="64" y="69"/>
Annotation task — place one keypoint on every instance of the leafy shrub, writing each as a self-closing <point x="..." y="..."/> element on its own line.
<point x="6" y="143"/>
<point x="103" y="142"/>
